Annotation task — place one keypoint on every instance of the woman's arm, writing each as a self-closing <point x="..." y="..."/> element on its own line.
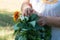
<point x="55" y="21"/>
<point x="52" y="21"/>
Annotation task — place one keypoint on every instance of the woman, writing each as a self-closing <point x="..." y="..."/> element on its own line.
<point x="49" y="12"/>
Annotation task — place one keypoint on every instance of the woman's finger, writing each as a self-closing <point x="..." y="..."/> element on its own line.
<point x="27" y="12"/>
<point x="24" y="13"/>
<point x="40" y="21"/>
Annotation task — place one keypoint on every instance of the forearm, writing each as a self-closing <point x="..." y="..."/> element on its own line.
<point x="55" y="21"/>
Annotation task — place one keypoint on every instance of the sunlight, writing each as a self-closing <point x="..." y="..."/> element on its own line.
<point x="10" y="5"/>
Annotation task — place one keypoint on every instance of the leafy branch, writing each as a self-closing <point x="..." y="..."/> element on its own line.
<point x="28" y="29"/>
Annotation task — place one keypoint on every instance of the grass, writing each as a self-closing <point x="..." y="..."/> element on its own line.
<point x="6" y="26"/>
<point x="6" y="19"/>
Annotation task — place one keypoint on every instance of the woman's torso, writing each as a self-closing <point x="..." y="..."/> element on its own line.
<point x="48" y="10"/>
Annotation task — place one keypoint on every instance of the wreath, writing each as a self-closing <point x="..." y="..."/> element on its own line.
<point x="27" y="28"/>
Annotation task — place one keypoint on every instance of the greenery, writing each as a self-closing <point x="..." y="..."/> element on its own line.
<point x="6" y="23"/>
<point x="27" y="28"/>
<point x="6" y="19"/>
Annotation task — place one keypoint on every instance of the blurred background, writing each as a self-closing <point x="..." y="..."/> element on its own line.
<point x="7" y="8"/>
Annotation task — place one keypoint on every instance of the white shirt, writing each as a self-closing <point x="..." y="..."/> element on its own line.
<point x="48" y="10"/>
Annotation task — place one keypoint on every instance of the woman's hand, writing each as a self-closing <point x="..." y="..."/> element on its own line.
<point x="42" y="21"/>
<point x="27" y="11"/>
<point x="52" y="21"/>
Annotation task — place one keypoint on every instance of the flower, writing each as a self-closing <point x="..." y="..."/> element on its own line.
<point x="16" y="15"/>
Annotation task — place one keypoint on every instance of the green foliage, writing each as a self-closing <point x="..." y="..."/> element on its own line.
<point x="6" y="19"/>
<point x="28" y="29"/>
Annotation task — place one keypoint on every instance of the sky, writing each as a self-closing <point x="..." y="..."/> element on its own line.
<point x="10" y="5"/>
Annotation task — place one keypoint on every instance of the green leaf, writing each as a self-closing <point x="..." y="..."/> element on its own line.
<point x="22" y="38"/>
<point x="33" y="17"/>
<point x="21" y="25"/>
<point x="22" y="17"/>
<point x="33" y="23"/>
<point x="15" y="27"/>
<point x="26" y="18"/>
<point x="24" y="25"/>
<point x="17" y="37"/>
